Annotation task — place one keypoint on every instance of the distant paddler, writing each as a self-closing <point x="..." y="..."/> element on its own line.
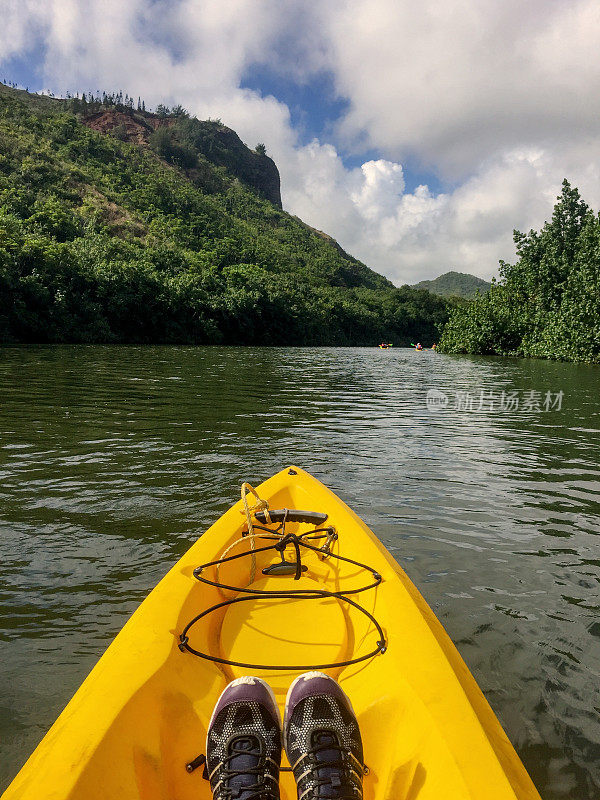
<point x="385" y="345"/>
<point x="417" y="346"/>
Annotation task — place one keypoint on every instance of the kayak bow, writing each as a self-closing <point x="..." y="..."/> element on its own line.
<point x="308" y="585"/>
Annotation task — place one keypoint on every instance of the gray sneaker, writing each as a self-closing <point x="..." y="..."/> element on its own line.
<point x="322" y="739"/>
<point x="243" y="743"/>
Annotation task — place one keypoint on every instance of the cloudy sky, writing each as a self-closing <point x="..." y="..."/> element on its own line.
<point x="417" y="134"/>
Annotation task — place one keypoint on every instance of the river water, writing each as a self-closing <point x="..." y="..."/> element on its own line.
<point x="113" y="459"/>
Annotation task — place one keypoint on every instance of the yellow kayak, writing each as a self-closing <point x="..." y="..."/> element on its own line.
<point x="309" y="586"/>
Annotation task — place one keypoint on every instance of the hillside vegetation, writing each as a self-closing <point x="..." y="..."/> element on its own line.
<point x="547" y="304"/>
<point x="117" y="225"/>
<point x="455" y="284"/>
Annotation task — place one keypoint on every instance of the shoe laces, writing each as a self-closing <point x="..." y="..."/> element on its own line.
<point x="331" y="767"/>
<point x="235" y="765"/>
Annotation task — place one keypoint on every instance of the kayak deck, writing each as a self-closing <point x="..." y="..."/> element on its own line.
<point x="142" y="713"/>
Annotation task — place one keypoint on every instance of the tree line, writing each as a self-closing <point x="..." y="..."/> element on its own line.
<point x="547" y="304"/>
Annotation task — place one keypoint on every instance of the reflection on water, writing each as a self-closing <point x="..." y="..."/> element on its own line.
<point x="112" y="459"/>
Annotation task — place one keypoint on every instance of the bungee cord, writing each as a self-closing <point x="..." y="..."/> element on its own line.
<point x="299" y="542"/>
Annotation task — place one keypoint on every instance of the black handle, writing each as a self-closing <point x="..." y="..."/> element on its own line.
<point x="292" y="515"/>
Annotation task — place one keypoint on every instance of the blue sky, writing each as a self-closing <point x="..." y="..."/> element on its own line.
<point x="419" y="136"/>
<point x="314" y="105"/>
<point x="24" y="69"/>
<point x="315" y="108"/>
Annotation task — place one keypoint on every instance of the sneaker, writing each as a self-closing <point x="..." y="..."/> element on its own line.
<point x="322" y="739"/>
<point x="243" y="743"/>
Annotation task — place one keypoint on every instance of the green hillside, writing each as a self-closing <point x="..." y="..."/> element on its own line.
<point x="117" y="225"/>
<point x="455" y="284"/>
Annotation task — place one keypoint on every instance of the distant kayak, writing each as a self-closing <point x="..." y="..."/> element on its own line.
<point x="385" y="345"/>
<point x="279" y="589"/>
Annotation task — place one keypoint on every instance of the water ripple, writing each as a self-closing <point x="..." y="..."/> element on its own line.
<point x="113" y="459"/>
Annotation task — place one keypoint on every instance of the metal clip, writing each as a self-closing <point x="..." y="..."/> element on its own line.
<point x="326" y="549"/>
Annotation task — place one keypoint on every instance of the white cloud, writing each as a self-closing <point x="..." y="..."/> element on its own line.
<point x="21" y="21"/>
<point x="415" y="235"/>
<point x="496" y="97"/>
<point x="452" y="82"/>
<point x="382" y="182"/>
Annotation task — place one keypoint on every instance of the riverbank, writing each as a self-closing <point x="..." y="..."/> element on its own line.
<point x="547" y="304"/>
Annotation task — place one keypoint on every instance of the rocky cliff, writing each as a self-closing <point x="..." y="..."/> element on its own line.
<point x="216" y="142"/>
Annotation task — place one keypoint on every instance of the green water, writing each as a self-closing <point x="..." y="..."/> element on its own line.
<point x="113" y="459"/>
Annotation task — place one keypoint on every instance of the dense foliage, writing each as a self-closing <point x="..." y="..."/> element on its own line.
<point x="455" y="284"/>
<point x="101" y="240"/>
<point x="547" y="304"/>
<point x="186" y="141"/>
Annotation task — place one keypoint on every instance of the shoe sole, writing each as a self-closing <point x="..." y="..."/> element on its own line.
<point x="307" y="676"/>
<point x="238" y="682"/>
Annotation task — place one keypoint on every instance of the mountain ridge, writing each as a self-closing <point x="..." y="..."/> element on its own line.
<point x="109" y="238"/>
<point x="455" y="284"/>
<point x="257" y="170"/>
